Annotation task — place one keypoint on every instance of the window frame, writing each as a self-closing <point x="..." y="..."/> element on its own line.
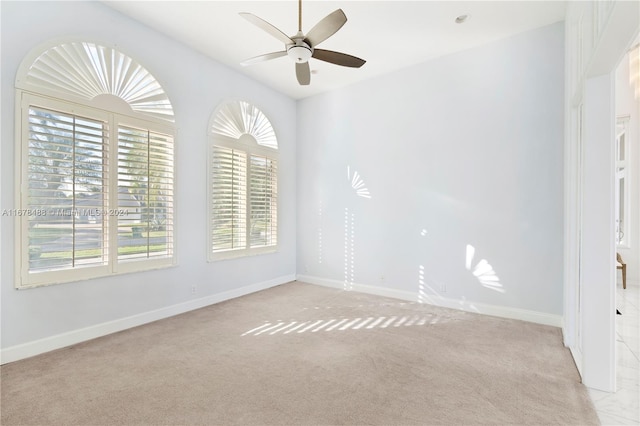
<point x="115" y="115"/>
<point x="149" y="263"/>
<point x="250" y="147"/>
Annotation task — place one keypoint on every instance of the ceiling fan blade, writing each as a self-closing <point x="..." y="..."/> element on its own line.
<point x="303" y="73"/>
<point x="259" y="22"/>
<point x="338" y="58"/>
<point x="262" y="58"/>
<point x="326" y="28"/>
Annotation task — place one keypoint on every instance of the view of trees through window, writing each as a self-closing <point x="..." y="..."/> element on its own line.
<point x="69" y="206"/>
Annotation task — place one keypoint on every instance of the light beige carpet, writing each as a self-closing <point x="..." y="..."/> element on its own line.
<point x="302" y="354"/>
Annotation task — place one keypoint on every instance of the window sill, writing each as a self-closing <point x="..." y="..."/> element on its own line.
<point x="45" y="279"/>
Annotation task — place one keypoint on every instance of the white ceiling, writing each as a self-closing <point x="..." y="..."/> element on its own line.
<point x="389" y="34"/>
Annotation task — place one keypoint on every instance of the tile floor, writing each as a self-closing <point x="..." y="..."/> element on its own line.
<point x="622" y="407"/>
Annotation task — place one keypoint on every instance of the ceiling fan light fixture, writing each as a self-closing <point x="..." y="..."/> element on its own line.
<point x="300" y="47"/>
<point x="300" y="53"/>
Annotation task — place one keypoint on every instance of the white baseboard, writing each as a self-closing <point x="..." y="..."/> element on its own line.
<point x="29" y="349"/>
<point x="26" y="350"/>
<point x="480" y="308"/>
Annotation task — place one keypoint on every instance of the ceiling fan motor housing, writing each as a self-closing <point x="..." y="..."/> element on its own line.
<point x="300" y="52"/>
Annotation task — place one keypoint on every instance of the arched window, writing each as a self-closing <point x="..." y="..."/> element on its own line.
<point x="96" y="173"/>
<point x="243" y="182"/>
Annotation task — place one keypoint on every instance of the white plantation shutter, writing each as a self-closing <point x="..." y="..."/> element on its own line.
<point x="263" y="188"/>
<point x="95" y="145"/>
<point x="67" y="181"/>
<point x="243" y="182"/>
<point x="95" y="194"/>
<point x="145" y="194"/>
<point x="87" y="70"/>
<point x="228" y="200"/>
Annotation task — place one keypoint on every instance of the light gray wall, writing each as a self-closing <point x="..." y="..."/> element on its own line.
<point x="462" y="150"/>
<point x="195" y="85"/>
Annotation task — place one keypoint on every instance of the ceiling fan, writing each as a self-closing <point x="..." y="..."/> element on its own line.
<point x="301" y="47"/>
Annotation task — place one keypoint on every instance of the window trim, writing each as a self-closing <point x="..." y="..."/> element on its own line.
<point x="25" y="279"/>
<point x="250" y="146"/>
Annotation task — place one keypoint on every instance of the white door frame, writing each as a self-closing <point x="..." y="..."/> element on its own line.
<point x="595" y="44"/>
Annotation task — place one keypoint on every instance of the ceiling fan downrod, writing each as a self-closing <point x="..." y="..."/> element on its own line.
<point x="300" y="51"/>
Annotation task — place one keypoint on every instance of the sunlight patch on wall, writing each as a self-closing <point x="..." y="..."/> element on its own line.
<point x="358" y="184"/>
<point x="483" y="271"/>
<point x="349" y="249"/>
<point x="422" y="292"/>
<point x="426" y="293"/>
<point x="320" y="234"/>
<point x="349" y="228"/>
